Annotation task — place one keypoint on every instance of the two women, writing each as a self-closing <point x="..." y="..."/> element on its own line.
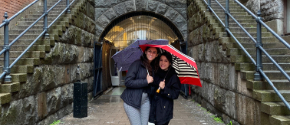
<point x="135" y="96"/>
<point x="140" y="83"/>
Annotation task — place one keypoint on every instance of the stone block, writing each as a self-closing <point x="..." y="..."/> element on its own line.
<point x="242" y="86"/>
<point x="161" y="9"/>
<point x="99" y="12"/>
<point x="182" y="12"/>
<point x="141" y="5"/>
<point x="120" y="9"/>
<point x="248" y="110"/>
<point x="5" y="98"/>
<point x="152" y="5"/>
<point x="103" y="21"/>
<point x="179" y="21"/>
<point x="176" y="3"/>
<point x="110" y="14"/>
<point x="171" y="13"/>
<point x="54" y="100"/>
<point x="66" y="95"/>
<point x="130" y="6"/>
<point x="105" y="3"/>
<point x="41" y="105"/>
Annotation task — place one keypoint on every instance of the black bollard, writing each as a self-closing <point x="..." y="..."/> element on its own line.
<point x="80" y="98"/>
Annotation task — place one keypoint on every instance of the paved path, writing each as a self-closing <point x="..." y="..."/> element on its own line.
<point x="108" y="110"/>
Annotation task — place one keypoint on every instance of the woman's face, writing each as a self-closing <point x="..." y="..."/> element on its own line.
<point x="164" y="63"/>
<point x="151" y="54"/>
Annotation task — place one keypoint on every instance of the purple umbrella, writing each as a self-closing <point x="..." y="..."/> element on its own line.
<point x="132" y="53"/>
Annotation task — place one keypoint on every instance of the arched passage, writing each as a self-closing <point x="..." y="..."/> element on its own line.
<point x="124" y="30"/>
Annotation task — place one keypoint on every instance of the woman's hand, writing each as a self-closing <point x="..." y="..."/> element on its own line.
<point x="149" y="79"/>
<point x="162" y="84"/>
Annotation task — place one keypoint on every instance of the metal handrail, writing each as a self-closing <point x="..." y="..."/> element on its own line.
<point x="12" y="64"/>
<point x="5" y="50"/>
<point x="264" y="24"/>
<point x="259" y="72"/>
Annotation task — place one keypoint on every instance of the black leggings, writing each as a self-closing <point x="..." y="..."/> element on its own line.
<point x="163" y="124"/>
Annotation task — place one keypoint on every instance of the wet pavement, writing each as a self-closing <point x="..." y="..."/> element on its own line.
<point x="108" y="110"/>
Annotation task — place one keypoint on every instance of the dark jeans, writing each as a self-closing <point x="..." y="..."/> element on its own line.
<point x="163" y="124"/>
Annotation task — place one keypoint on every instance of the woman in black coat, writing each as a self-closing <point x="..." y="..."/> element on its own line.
<point x="138" y="78"/>
<point x="161" y="111"/>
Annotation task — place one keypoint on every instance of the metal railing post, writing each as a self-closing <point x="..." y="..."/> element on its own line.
<point x="67" y="5"/>
<point x="257" y="75"/>
<point x="208" y="5"/>
<point x="7" y="47"/>
<point x="227" y="16"/>
<point x="46" y="35"/>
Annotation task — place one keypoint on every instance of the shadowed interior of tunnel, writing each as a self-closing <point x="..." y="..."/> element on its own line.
<point x="125" y="30"/>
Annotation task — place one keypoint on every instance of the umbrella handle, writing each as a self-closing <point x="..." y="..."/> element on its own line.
<point x="158" y="90"/>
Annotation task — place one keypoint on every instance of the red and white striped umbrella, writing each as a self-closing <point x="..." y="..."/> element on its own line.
<point x="184" y="65"/>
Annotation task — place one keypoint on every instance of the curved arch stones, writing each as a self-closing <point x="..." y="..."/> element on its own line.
<point x="108" y="10"/>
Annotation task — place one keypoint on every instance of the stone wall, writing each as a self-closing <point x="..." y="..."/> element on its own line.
<point x="48" y="93"/>
<point x="108" y="10"/>
<point x="224" y="93"/>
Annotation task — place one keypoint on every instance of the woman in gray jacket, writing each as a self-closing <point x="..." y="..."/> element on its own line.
<point x="138" y="78"/>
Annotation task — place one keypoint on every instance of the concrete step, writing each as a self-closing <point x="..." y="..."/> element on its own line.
<point x="253" y="34"/>
<point x="249" y="29"/>
<point x="280" y="120"/>
<point x="5" y="98"/>
<point x="271" y="66"/>
<point x="238" y="13"/>
<point x="232" y="10"/>
<point x="252" y="51"/>
<point x="22" y="69"/>
<point x="25" y="36"/>
<point x="262" y="85"/>
<point x="249" y="40"/>
<point x="29" y="54"/>
<point x="30" y="22"/>
<point x="45" y="48"/>
<point x="233" y="44"/>
<point x="38" y="15"/>
<point x="251" y="21"/>
<point x="34" y="19"/>
<point x="19" y="77"/>
<point x="30" y="31"/>
<point x="23" y="61"/>
<point x="274" y="108"/>
<point x="237" y="17"/>
<point x="272" y="75"/>
<point x="246" y="59"/>
<point x="35" y="27"/>
<point x="10" y="87"/>
<point x="38" y="42"/>
<point x="270" y="95"/>
<point x="276" y="75"/>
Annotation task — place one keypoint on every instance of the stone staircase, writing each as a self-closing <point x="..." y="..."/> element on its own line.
<point x="36" y="54"/>
<point x="273" y="110"/>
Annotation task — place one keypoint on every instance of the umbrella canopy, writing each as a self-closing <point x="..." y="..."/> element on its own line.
<point x="132" y="53"/>
<point x="184" y="66"/>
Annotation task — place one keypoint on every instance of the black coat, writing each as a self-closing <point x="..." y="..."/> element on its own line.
<point x="136" y="83"/>
<point x="161" y="110"/>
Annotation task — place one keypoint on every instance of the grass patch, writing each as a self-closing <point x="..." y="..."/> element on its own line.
<point x="55" y="122"/>
<point x="230" y="123"/>
<point x="218" y="119"/>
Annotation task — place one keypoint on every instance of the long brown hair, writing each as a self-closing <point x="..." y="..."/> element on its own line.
<point x="154" y="62"/>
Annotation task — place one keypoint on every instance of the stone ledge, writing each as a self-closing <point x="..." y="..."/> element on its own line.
<point x="5" y="98"/>
<point x="12" y="87"/>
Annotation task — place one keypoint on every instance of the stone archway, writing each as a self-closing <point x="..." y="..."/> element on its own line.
<point x="106" y="11"/>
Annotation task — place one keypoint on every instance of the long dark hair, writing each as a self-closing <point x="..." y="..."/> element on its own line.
<point x="154" y="62"/>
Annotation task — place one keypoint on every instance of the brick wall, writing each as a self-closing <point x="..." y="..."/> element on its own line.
<point x="12" y="7"/>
